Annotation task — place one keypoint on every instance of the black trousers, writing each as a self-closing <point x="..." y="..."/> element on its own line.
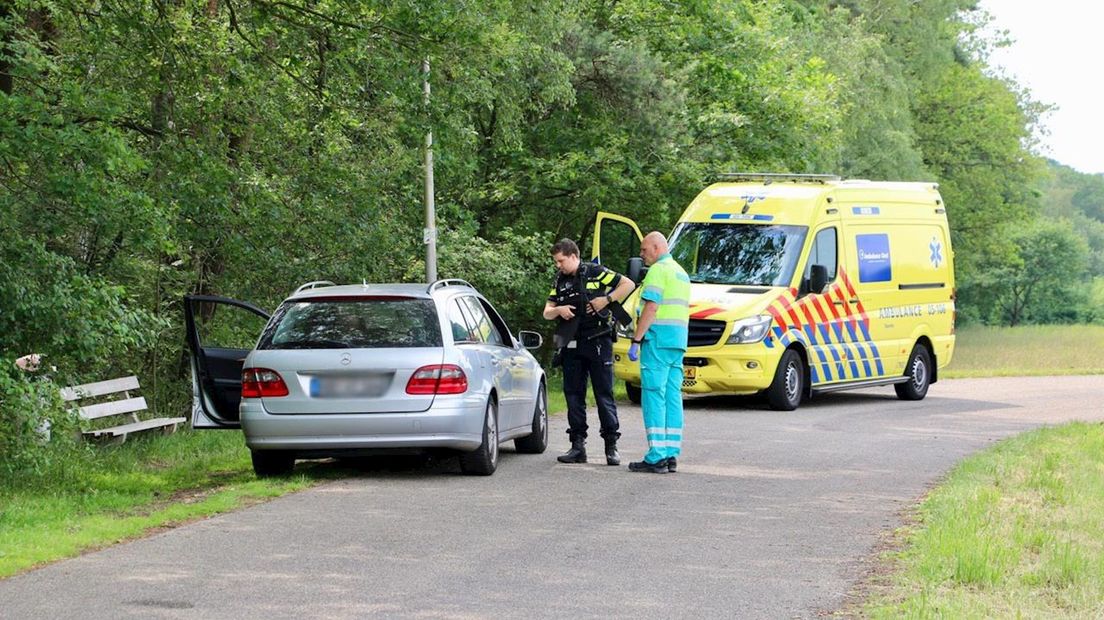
<point x="593" y="359"/>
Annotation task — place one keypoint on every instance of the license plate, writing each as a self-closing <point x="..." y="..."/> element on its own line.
<point x="355" y="386"/>
<point x="689" y="372"/>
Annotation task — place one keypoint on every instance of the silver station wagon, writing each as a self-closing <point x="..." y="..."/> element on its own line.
<point x="367" y="369"/>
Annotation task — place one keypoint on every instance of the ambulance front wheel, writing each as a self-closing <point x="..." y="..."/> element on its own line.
<point x="633" y="392"/>
<point x="784" y="393"/>
<point x="918" y="372"/>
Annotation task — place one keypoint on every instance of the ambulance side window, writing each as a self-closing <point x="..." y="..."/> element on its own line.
<point x="824" y="252"/>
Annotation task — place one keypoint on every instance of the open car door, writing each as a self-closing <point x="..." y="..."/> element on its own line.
<point x="220" y="333"/>
<point x="616" y="240"/>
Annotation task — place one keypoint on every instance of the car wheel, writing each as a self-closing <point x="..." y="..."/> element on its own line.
<point x="483" y="460"/>
<point x="633" y="392"/>
<point x="785" y="391"/>
<point x="537" y="441"/>
<point x="919" y="374"/>
<point x="268" y="463"/>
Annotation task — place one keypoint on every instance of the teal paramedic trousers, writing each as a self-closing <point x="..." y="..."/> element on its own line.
<point x="661" y="399"/>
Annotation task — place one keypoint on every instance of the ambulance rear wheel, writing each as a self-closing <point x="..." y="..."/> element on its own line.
<point x="634" y="393"/>
<point x="784" y="393"/>
<point x="919" y="373"/>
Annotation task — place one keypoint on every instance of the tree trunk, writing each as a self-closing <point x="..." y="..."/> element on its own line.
<point x="5" y="66"/>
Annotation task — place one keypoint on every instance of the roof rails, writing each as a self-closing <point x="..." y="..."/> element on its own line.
<point x="771" y="177"/>
<point x="447" y="282"/>
<point x="316" y="284"/>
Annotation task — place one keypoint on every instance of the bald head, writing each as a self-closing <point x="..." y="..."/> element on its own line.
<point x="652" y="247"/>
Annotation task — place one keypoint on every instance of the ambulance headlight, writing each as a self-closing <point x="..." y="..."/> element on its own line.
<point x="750" y="330"/>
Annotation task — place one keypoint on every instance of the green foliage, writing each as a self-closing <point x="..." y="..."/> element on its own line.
<point x="156" y="149"/>
<point x="1043" y="278"/>
<point x="37" y="432"/>
<point x="971" y="131"/>
<point x="513" y="270"/>
<point x="78" y="321"/>
<point x="1013" y="532"/>
<point x="1080" y="199"/>
<point x="1089" y="198"/>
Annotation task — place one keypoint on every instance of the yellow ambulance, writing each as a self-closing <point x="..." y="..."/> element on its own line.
<point x="804" y="284"/>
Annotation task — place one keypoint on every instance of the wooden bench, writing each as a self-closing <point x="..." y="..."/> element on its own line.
<point x="121" y="404"/>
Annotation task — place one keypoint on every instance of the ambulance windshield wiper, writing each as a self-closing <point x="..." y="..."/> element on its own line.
<point x="700" y="281"/>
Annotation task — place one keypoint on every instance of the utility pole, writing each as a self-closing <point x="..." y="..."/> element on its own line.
<point x="429" y="234"/>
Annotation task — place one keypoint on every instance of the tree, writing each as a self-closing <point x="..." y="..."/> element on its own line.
<point x="1045" y="279"/>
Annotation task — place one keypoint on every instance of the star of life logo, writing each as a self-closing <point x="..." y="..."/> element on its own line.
<point x="750" y="199"/>
<point x="936" y="252"/>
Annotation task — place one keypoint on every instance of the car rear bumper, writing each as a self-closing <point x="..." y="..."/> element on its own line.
<point x="454" y="424"/>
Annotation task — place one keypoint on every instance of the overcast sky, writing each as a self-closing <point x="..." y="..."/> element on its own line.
<point x="1058" y="53"/>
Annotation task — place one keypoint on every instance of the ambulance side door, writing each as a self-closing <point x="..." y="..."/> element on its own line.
<point x="616" y="240"/>
<point x="869" y="289"/>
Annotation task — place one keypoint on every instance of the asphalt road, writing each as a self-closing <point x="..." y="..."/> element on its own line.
<point x="771" y="515"/>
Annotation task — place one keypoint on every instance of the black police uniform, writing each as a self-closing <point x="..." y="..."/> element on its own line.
<point x="586" y="348"/>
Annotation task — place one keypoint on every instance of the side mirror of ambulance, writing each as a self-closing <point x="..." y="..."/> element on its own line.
<point x="636" y="269"/>
<point x="818" y="279"/>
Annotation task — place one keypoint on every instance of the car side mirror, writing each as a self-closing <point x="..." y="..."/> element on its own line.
<point x="818" y="279"/>
<point x="530" y="340"/>
<point x="636" y="270"/>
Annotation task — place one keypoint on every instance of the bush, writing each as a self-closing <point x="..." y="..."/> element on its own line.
<point x="49" y="306"/>
<point x="512" y="270"/>
<point x="37" y="430"/>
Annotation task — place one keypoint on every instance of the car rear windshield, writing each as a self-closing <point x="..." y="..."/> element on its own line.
<point x="353" y="323"/>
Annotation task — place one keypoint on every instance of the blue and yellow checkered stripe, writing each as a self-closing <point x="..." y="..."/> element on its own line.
<point x="839" y="345"/>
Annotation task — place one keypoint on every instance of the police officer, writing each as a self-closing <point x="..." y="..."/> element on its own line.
<point x="662" y="330"/>
<point x="580" y="304"/>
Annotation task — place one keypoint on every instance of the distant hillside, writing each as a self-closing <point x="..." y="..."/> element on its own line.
<point x="1079" y="198"/>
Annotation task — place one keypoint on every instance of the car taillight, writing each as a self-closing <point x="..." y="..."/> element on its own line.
<point x="438" y="379"/>
<point x="262" y="382"/>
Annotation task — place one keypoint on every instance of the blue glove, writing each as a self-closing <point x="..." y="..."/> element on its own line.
<point x="634" y="352"/>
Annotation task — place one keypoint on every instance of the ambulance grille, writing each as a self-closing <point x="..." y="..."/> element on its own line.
<point x="704" y="332"/>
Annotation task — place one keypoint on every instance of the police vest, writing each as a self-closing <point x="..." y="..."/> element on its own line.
<point x="590" y="281"/>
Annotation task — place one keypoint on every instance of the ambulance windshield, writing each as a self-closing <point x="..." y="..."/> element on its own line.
<point x="748" y="254"/>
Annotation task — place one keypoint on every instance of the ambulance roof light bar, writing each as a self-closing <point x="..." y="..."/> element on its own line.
<point x="771" y="177"/>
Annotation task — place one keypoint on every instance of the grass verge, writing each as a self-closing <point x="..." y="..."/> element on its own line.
<point x="1015" y="531"/>
<point x="109" y="494"/>
<point x="1027" y="350"/>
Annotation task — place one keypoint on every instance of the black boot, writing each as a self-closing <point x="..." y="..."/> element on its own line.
<point x="612" y="457"/>
<point x="577" y="453"/>
<point x="651" y="468"/>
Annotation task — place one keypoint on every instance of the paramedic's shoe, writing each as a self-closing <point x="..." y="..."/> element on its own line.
<point x="650" y="468"/>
